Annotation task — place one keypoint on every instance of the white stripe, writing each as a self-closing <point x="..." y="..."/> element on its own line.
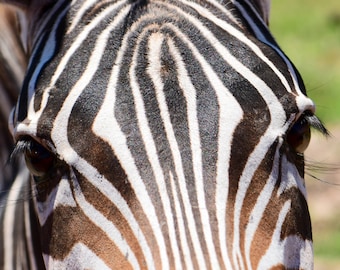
<point x="262" y="38"/>
<point x="291" y="177"/>
<point x="153" y="71"/>
<point x="85" y="32"/>
<point x="150" y="144"/>
<point x="232" y="31"/>
<point x="61" y="120"/>
<point x="59" y="133"/>
<point x="30" y="126"/>
<point x="275" y="129"/>
<point x="103" y="127"/>
<point x="222" y="6"/>
<point x="262" y="201"/>
<point x="181" y="227"/>
<point x="272" y="133"/>
<point x="293" y="252"/>
<point x="273" y="248"/>
<point x="275" y="107"/>
<point x="225" y="136"/>
<point x="252" y="164"/>
<point x="111" y="193"/>
<point x="104" y="224"/>
<point x="80" y="258"/>
<point x="61" y="195"/>
<point x="85" y="5"/>
<point x="195" y="141"/>
<point x="230" y="115"/>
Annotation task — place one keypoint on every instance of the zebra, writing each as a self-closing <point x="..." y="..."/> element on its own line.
<point x="158" y="135"/>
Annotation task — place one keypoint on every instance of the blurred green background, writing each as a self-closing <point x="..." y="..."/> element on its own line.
<point x="309" y="33"/>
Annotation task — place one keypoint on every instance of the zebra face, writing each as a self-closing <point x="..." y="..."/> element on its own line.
<point x="165" y="135"/>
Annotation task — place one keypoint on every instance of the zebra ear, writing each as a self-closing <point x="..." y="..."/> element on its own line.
<point x="263" y="6"/>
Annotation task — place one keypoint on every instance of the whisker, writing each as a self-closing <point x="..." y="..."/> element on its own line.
<point x="322" y="168"/>
<point x="26" y="195"/>
<point x="321" y="180"/>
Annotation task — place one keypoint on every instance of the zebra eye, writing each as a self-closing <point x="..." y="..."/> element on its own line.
<point x="38" y="159"/>
<point x="299" y="135"/>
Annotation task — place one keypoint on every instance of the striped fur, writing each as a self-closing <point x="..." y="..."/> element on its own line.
<point x="168" y="124"/>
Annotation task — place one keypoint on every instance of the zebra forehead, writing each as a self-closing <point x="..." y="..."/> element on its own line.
<point x="111" y="83"/>
<point x="178" y="23"/>
<point x="213" y="56"/>
<point x="157" y="133"/>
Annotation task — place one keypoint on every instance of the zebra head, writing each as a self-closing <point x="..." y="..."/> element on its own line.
<point x="163" y="135"/>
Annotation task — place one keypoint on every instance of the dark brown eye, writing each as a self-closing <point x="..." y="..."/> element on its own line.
<point x="299" y="135"/>
<point x="38" y="159"/>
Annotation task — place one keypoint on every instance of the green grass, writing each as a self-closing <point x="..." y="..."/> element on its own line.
<point x="328" y="245"/>
<point x="309" y="32"/>
<point x="326" y="238"/>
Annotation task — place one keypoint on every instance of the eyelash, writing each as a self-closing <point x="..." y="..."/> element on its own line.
<point x="316" y="123"/>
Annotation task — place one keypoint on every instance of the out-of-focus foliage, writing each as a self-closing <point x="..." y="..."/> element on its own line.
<point x="309" y="32"/>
